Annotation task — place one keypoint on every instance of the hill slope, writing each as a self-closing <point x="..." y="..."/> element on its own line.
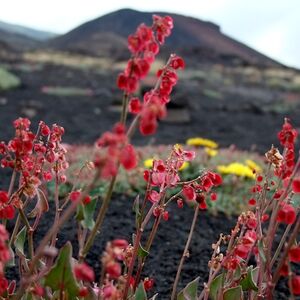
<point x="27" y="31"/>
<point x="189" y="35"/>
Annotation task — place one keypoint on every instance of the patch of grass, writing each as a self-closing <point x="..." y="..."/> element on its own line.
<point x="66" y="91"/>
<point x="8" y="80"/>
<point x="213" y="94"/>
<point x="68" y="59"/>
<point x="232" y="195"/>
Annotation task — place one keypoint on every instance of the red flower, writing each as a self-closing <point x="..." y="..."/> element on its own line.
<point x="135" y="106"/>
<point x="177" y="63"/>
<point x="148" y="283"/>
<point x="189" y="192"/>
<point x="3" y="197"/>
<point x="213" y="196"/>
<point x="113" y="269"/>
<point x="84" y="272"/>
<point x="241" y="251"/>
<point x="287" y="135"/>
<point x="252" y="202"/>
<point x="3" y="285"/>
<point x="120" y="243"/>
<point x="284" y="271"/>
<point x="83" y="292"/>
<point x="180" y="203"/>
<point x="128" y="157"/>
<point x="74" y="196"/>
<point x="286" y="214"/>
<point x="154" y="196"/>
<point x="296" y="185"/>
<point x="38" y="291"/>
<point x="294" y="254"/>
<point x="165" y="215"/>
<point x="296" y="285"/>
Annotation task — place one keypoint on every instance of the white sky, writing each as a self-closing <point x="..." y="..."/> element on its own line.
<point x="270" y="26"/>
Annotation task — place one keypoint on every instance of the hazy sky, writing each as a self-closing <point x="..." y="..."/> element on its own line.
<point x="270" y="26"/>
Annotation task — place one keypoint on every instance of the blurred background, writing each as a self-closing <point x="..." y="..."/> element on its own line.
<point x="59" y="61"/>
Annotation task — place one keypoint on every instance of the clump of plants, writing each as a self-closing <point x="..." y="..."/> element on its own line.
<point x="246" y="264"/>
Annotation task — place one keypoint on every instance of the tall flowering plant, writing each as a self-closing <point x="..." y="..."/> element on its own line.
<point x="263" y="246"/>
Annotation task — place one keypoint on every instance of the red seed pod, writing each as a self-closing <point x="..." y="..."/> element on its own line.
<point x="84" y="272"/>
<point x="148" y="283"/>
<point x="294" y="254"/>
<point x="296" y="185"/>
<point x="213" y="196"/>
<point x="83" y="292"/>
<point x="165" y="215"/>
<point x="296" y="285"/>
<point x="252" y="202"/>
<point x="180" y="203"/>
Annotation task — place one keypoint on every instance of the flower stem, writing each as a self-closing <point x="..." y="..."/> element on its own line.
<point x="185" y="253"/>
<point x="99" y="220"/>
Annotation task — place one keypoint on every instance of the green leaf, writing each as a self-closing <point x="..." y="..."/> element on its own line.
<point x="235" y="293"/>
<point x="140" y="293"/>
<point x="248" y="282"/>
<point x="20" y="241"/>
<point x="215" y="287"/>
<point x="190" y="291"/>
<point x="141" y="251"/>
<point x="61" y="274"/>
<point x="79" y="213"/>
<point x="88" y="214"/>
<point x="11" y="262"/>
<point x="261" y="251"/>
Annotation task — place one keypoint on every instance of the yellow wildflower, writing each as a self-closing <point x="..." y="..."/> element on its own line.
<point x="198" y="141"/>
<point x="184" y="166"/>
<point x="238" y="169"/>
<point x="148" y="163"/>
<point x="210" y="152"/>
<point x="253" y="166"/>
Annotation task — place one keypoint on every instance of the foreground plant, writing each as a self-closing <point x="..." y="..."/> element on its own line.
<point x="248" y="263"/>
<point x="39" y="158"/>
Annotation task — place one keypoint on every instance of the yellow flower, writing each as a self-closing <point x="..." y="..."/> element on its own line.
<point x="253" y="166"/>
<point x="237" y="169"/>
<point x="198" y="141"/>
<point x="148" y="163"/>
<point x="210" y="152"/>
<point x="184" y="166"/>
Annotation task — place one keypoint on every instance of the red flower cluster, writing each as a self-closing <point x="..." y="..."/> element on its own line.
<point x="144" y="45"/>
<point x="113" y="255"/>
<point x="84" y="272"/>
<point x="198" y="189"/>
<point x="115" y="150"/>
<point x="154" y="103"/>
<point x="7" y="211"/>
<point x="287" y="137"/>
<point x="165" y="173"/>
<point x="4" y="257"/>
<point x="286" y="214"/>
<point x="35" y="156"/>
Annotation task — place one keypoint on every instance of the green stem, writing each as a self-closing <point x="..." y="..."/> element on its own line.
<point x="40" y="250"/>
<point x="99" y="220"/>
<point x="29" y="232"/>
<point x="132" y="262"/>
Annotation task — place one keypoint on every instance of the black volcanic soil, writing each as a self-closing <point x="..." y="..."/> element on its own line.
<point x="239" y="119"/>
<point x="167" y="248"/>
